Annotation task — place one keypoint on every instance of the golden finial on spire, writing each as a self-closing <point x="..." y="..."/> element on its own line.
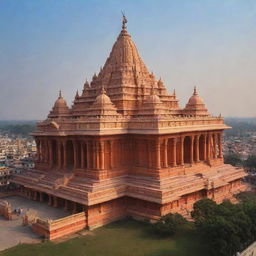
<point x="124" y="21"/>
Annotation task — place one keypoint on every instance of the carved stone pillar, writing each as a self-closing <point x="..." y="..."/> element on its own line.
<point x="197" y="148"/>
<point x="82" y="155"/>
<point x="214" y="145"/>
<point x="93" y="155"/>
<point x="205" y="147"/>
<point x="45" y="151"/>
<point x="165" y="153"/>
<point x="174" y="150"/>
<point x="37" y="149"/>
<point x="88" y="154"/>
<point x="40" y="151"/>
<point x="192" y="149"/>
<point x="102" y="160"/>
<point x="158" y="154"/>
<point x="149" y="154"/>
<point x="64" y="145"/>
<point x="209" y="146"/>
<point x="97" y="154"/>
<point x="182" y="150"/>
<point x="75" y="153"/>
<point x="50" y="154"/>
<point x="220" y="145"/>
<point x="59" y="155"/>
<point x="111" y="145"/>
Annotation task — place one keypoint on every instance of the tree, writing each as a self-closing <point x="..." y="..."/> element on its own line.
<point x="233" y="159"/>
<point x="227" y="227"/>
<point x="250" y="162"/>
<point x="169" y="224"/>
<point x="221" y="236"/>
<point x="203" y="209"/>
<point x="249" y="208"/>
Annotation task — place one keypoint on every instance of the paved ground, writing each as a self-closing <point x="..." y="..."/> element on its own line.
<point x="37" y="209"/>
<point x="12" y="232"/>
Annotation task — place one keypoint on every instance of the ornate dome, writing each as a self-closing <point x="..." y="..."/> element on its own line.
<point x="60" y="102"/>
<point x="102" y="106"/>
<point x="60" y="108"/>
<point x="195" y="99"/>
<point x="103" y="98"/>
<point x="153" y="98"/>
<point x="195" y="105"/>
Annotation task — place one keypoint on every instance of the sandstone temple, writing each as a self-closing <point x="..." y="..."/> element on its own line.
<point x="126" y="148"/>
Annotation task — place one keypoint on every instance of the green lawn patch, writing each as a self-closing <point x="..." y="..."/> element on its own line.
<point x="122" y="238"/>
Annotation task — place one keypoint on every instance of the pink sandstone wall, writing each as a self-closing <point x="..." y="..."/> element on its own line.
<point x="59" y="228"/>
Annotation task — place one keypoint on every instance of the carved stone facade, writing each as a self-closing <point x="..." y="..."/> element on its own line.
<point x="126" y="148"/>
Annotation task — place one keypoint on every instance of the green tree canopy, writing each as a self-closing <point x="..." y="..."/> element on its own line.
<point x="233" y="159"/>
<point x="169" y="224"/>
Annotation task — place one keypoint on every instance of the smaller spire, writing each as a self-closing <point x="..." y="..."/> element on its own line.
<point x="60" y="95"/>
<point x="77" y="94"/>
<point x="195" y="90"/>
<point x="86" y="84"/>
<point x="103" y="91"/>
<point x="94" y="76"/>
<point x="174" y="92"/>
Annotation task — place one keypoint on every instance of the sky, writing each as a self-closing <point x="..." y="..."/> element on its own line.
<point x="52" y="45"/>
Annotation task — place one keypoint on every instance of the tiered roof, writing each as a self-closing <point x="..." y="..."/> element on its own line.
<point x="124" y="89"/>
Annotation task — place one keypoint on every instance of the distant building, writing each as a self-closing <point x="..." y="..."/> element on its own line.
<point x="5" y="176"/>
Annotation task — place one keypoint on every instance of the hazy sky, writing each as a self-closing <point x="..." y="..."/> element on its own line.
<point x="48" y="45"/>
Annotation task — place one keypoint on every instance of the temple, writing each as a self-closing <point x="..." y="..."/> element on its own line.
<point x="126" y="148"/>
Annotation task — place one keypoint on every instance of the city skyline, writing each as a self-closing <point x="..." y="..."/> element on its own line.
<point x="204" y="43"/>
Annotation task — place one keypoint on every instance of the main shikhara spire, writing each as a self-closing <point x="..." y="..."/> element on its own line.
<point x="125" y="92"/>
<point x="126" y="80"/>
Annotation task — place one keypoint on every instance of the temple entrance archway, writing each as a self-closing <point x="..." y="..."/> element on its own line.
<point x="187" y="145"/>
<point x="70" y="155"/>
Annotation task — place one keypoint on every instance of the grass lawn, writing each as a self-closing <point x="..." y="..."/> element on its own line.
<point x="123" y="238"/>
